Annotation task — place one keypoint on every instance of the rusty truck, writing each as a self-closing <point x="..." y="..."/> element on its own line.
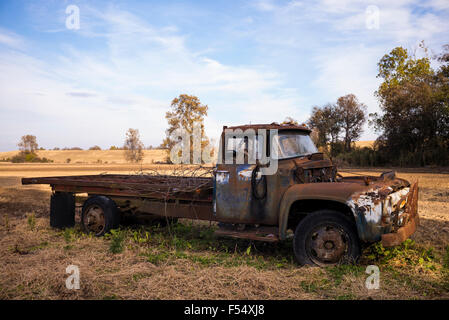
<point x="329" y="217"/>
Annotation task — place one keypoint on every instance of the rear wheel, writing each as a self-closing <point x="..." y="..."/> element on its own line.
<point x="99" y="215"/>
<point x="326" y="237"/>
<point x="62" y="210"/>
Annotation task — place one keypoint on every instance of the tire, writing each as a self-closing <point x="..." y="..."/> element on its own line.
<point x="62" y="210"/>
<point x="326" y="237"/>
<point x="100" y="214"/>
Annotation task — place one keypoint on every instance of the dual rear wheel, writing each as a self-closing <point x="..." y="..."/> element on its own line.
<point x="100" y="214"/>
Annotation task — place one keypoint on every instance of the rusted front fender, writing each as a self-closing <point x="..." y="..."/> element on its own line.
<point x="374" y="219"/>
<point x="330" y="191"/>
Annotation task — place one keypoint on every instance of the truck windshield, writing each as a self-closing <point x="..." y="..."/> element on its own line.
<point x="293" y="144"/>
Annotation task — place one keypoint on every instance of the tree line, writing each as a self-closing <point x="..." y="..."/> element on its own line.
<point x="413" y="124"/>
<point x="28" y="148"/>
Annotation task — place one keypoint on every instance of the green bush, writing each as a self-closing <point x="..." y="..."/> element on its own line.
<point x="27" y="156"/>
<point x="117" y="238"/>
<point x="360" y="157"/>
<point x="437" y="155"/>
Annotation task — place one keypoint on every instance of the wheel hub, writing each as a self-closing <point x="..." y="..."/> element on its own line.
<point x="94" y="219"/>
<point x="328" y="244"/>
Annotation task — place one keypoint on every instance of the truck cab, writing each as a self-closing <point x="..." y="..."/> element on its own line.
<point x="329" y="216"/>
<point x="244" y="190"/>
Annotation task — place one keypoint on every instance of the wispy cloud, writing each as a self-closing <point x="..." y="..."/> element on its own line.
<point x="11" y="39"/>
<point x="138" y="71"/>
<point x="81" y="94"/>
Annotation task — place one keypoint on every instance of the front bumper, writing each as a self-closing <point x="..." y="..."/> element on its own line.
<point x="411" y="221"/>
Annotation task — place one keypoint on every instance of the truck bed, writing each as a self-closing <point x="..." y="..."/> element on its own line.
<point x="145" y="186"/>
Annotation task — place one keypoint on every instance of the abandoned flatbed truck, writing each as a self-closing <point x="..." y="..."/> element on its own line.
<point x="331" y="216"/>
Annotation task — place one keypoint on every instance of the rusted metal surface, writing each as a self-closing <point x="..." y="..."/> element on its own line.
<point x="272" y="126"/>
<point x="147" y="186"/>
<point x="261" y="233"/>
<point x="168" y="208"/>
<point x="409" y="223"/>
<point x="316" y="169"/>
<point x="380" y="208"/>
<point x="327" y="244"/>
<point x="235" y="200"/>
<point x="329" y="192"/>
<point x="94" y="219"/>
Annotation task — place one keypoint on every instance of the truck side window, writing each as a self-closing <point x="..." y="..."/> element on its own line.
<point x="251" y="148"/>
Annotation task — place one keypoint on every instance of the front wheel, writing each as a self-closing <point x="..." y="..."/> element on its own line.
<point x="324" y="238"/>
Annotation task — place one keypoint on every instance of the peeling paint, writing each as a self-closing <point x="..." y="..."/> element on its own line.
<point x="245" y="175"/>
<point x="377" y="210"/>
<point x="222" y="177"/>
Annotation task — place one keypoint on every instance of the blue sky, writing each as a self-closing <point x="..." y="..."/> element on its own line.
<point x="249" y="61"/>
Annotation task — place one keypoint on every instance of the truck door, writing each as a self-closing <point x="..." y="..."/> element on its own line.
<point x="233" y="179"/>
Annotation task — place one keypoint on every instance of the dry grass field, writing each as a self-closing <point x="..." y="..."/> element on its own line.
<point x="111" y="156"/>
<point x="186" y="261"/>
<point x="92" y="156"/>
<point x="362" y="144"/>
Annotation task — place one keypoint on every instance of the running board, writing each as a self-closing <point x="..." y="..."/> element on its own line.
<point x="268" y="234"/>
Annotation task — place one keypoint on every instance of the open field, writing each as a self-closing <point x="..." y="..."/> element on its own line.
<point x="91" y="156"/>
<point x="111" y="156"/>
<point x="186" y="261"/>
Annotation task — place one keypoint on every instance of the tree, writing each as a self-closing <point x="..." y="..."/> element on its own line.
<point x="327" y="121"/>
<point x="414" y="103"/>
<point x="352" y="114"/>
<point x="443" y="95"/>
<point x="133" y="146"/>
<point x="95" y="148"/>
<point x="186" y="112"/>
<point x="315" y="136"/>
<point x="28" y="144"/>
<point x="318" y="121"/>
